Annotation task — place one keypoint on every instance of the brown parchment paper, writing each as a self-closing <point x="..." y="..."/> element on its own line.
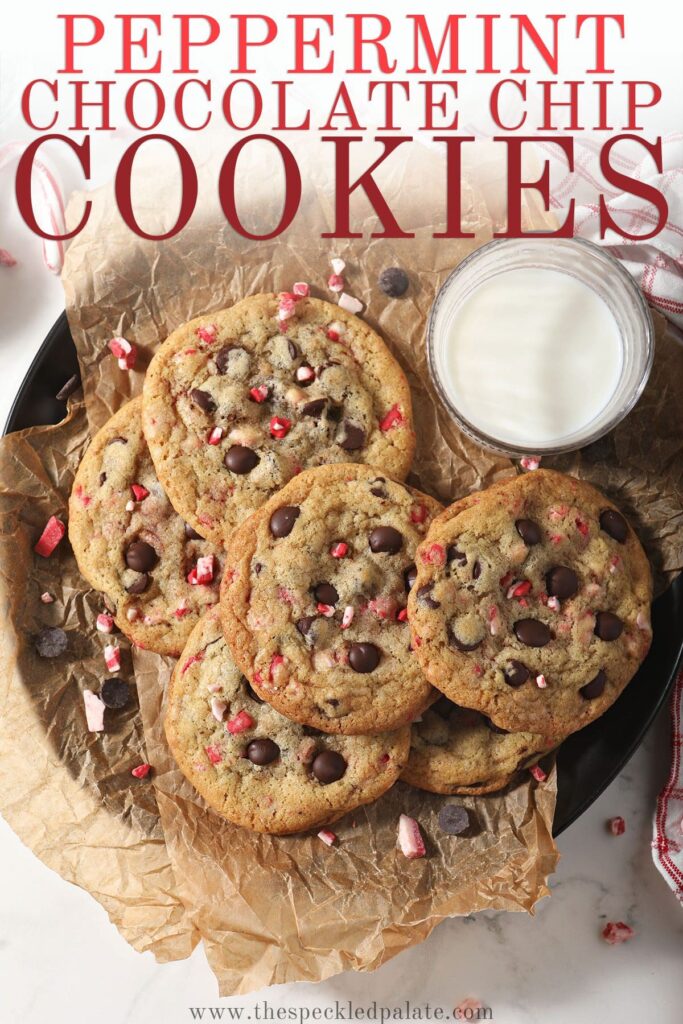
<point x="166" y="869"/>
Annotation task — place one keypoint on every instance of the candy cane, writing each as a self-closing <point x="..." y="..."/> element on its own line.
<point x="49" y="203"/>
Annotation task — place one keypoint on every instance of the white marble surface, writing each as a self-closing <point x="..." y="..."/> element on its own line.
<point x="62" y="961"/>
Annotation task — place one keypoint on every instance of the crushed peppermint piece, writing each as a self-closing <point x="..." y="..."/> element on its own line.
<point x="218" y="708"/>
<point x="418" y="513"/>
<point x="335" y="283"/>
<point x="215" y="436"/>
<point x="350" y="303"/>
<point x="275" y="662"/>
<point x="104" y="623"/>
<point x="541" y="682"/>
<point x="553" y="603"/>
<point x="125" y="353"/>
<point x="394" y="418"/>
<point x="112" y="657"/>
<point x="328" y="837"/>
<point x="347" y="617"/>
<point x="530" y="462"/>
<point x="94" y="711"/>
<point x="642" y="622"/>
<point x="402" y="615"/>
<point x="239" y="723"/>
<point x="259" y="394"/>
<point x="207" y="333"/>
<point x="50" y="537"/>
<point x="338" y="265"/>
<point x="336" y="330"/>
<point x="301" y="290"/>
<point x="130" y="506"/>
<point x="279" y="426"/>
<point x="203" y="572"/>
<point x="142" y="771"/>
<point x="6" y="259"/>
<point x="286" y="305"/>
<point x="305" y="373"/>
<point x="214" y="755"/>
<point x="339" y="550"/>
<point x="434" y="555"/>
<point x="616" y="932"/>
<point x="538" y="773"/>
<point x="325" y="609"/>
<point x="46" y="597"/>
<point x="139" y="492"/>
<point x="617" y="826"/>
<point x="520" y="588"/>
<point x="410" y="839"/>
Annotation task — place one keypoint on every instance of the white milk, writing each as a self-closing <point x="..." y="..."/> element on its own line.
<point x="530" y="356"/>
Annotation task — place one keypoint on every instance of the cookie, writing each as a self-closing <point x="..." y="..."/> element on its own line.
<point x="532" y="604"/>
<point x="238" y="402"/>
<point x="314" y="603"/>
<point x="457" y="750"/>
<point x="255" y="767"/>
<point x="159" y="575"/>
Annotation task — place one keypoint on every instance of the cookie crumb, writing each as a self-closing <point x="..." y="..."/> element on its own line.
<point x="616" y="932"/>
<point x="617" y="826"/>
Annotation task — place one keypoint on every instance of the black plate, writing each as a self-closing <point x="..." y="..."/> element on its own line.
<point x="588" y="760"/>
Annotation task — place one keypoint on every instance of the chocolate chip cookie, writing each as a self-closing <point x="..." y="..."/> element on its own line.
<point x="314" y="603"/>
<point x="239" y="402"/>
<point x="457" y="750"/>
<point x="255" y="767"/>
<point x="157" y="572"/>
<point x="532" y="605"/>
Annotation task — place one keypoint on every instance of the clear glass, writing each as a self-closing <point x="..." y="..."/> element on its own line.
<point x="592" y="266"/>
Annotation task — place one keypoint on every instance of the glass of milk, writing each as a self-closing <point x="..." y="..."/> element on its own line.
<point x="539" y="345"/>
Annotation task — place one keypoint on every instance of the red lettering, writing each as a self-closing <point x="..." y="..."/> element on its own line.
<point x="244" y="42"/>
<point x="516" y="186"/>
<point x="346" y="109"/>
<point x="26" y="97"/>
<point x="344" y="189"/>
<point x="633" y="105"/>
<point x="70" y="41"/>
<point x="495" y="109"/>
<point x="360" y="41"/>
<point x="226" y="188"/>
<point x="599" y="20"/>
<point x="526" y="27"/>
<point x="23" y="184"/>
<point x="123" y="187"/>
<point x="300" y="42"/>
<point x="129" y="104"/>
<point x="256" y="101"/>
<point x="187" y="42"/>
<point x="633" y="186"/>
<point x="179" y="103"/>
<point x="127" y="44"/>
<point x="453" y="182"/>
<point x="450" y="37"/>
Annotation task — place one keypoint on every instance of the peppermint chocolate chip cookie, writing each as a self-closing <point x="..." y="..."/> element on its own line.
<point x="532" y="605"/>
<point x="314" y="604"/>
<point x="238" y="402"/>
<point x="457" y="750"/>
<point x="157" y="572"/>
<point x="255" y="767"/>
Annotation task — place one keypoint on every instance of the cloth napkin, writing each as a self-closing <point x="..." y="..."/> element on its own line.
<point x="667" y="840"/>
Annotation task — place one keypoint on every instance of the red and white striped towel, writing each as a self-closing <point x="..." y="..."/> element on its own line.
<point x="667" y="840"/>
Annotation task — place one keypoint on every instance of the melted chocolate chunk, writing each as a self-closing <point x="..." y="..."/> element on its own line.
<point x="325" y="593"/>
<point x="139" y="586"/>
<point x="304" y="625"/>
<point x="385" y="539"/>
<point x="364" y="657"/>
<point x="532" y="633"/>
<point x="354" y="437"/>
<point x="561" y="582"/>
<point x="140" y="556"/>
<point x="593" y="689"/>
<point x="262" y="751"/>
<point x="283" y="519"/>
<point x="453" y="555"/>
<point x="608" y="626"/>
<point x="614" y="525"/>
<point x="292" y="349"/>
<point x="223" y="357"/>
<point x="240" y="459"/>
<point x="529" y="531"/>
<point x="424" y="596"/>
<point x="516" y="673"/>
<point x="335" y="412"/>
<point x="328" y="766"/>
<point x="203" y="400"/>
<point x="315" y="408"/>
<point x="476" y="570"/>
<point x="393" y="282"/>
<point x="103" y="477"/>
<point x="459" y="645"/>
<point x="115" y="693"/>
<point x="68" y="389"/>
<point x="409" y="577"/>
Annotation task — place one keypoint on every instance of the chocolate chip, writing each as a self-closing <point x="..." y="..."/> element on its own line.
<point x="453" y="555"/>
<point x="140" y="556"/>
<point x="115" y="693"/>
<point x="529" y="531"/>
<point x="328" y="766"/>
<point x="203" y="400"/>
<point x="561" y="582"/>
<point x="364" y="657"/>
<point x="409" y="577"/>
<point x="240" y="459"/>
<point x="304" y="625"/>
<point x="292" y="349"/>
<point x="614" y="525"/>
<point x="325" y="593"/>
<point x="117" y="440"/>
<point x="593" y="689"/>
<point x="454" y="819"/>
<point x="263" y="751"/>
<point x="223" y="357"/>
<point x="314" y="408"/>
<point x="424" y="596"/>
<point x="283" y="519"/>
<point x="608" y="626"/>
<point x="378" y="489"/>
<point x="68" y="389"/>
<point x="532" y="633"/>
<point x="354" y="437"/>
<point x="515" y="673"/>
<point x="476" y="570"/>
<point x="459" y="644"/>
<point x="393" y="282"/>
<point x="385" y="539"/>
<point x="103" y="477"/>
<point x="51" y="642"/>
<point x="335" y="412"/>
<point x="191" y="533"/>
<point x="139" y="586"/>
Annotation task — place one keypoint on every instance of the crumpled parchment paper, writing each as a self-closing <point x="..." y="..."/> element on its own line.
<point x="168" y="870"/>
